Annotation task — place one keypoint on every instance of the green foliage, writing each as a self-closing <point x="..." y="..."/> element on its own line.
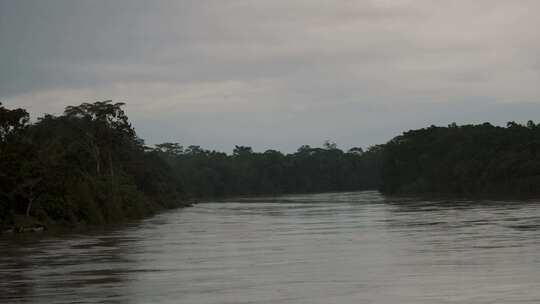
<point x="86" y="166"/>
<point x="464" y="160"/>
<point x="211" y="173"/>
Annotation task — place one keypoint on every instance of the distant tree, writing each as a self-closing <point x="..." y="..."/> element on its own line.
<point x="356" y="150"/>
<point x="194" y="150"/>
<point x="12" y="121"/>
<point x="241" y="151"/>
<point x="170" y="148"/>
<point x="106" y="127"/>
<point x="304" y="149"/>
<point x="328" y="145"/>
<point x="273" y="152"/>
<point x="512" y="124"/>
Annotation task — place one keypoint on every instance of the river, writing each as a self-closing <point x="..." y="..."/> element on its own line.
<point x="356" y="247"/>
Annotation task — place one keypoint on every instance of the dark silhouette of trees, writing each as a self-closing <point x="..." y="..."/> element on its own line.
<point x="12" y="121"/>
<point x="87" y="166"/>
<point x="212" y="173"/>
<point x="18" y="174"/>
<point x="464" y="160"/>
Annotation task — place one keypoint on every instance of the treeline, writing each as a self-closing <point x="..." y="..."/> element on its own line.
<point x="464" y="160"/>
<point x="212" y="173"/>
<point x="87" y="166"/>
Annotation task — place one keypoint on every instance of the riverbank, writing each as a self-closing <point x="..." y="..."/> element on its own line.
<point x="23" y="224"/>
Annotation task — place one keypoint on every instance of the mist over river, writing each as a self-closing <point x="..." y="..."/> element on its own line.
<point x="356" y="247"/>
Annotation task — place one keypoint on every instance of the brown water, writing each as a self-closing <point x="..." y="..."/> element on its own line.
<point x="325" y="248"/>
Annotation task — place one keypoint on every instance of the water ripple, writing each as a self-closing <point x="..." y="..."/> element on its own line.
<point x="357" y="247"/>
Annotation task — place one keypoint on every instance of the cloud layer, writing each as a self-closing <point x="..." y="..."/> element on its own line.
<point x="276" y="73"/>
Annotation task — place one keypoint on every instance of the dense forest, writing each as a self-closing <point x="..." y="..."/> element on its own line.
<point x="464" y="160"/>
<point x="212" y="173"/>
<point x="85" y="166"/>
<point x="88" y="167"/>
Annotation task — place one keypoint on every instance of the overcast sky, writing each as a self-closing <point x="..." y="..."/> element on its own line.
<point x="276" y="73"/>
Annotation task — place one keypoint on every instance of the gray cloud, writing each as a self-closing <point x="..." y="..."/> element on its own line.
<point x="275" y="73"/>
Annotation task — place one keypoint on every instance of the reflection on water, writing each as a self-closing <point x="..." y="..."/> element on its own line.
<point x="325" y="248"/>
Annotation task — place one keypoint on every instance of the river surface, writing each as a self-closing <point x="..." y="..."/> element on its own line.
<point x="358" y="247"/>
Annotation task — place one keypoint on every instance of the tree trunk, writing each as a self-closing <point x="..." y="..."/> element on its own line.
<point x="30" y="200"/>
<point x="111" y="168"/>
<point x="111" y="173"/>
<point x="96" y="156"/>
